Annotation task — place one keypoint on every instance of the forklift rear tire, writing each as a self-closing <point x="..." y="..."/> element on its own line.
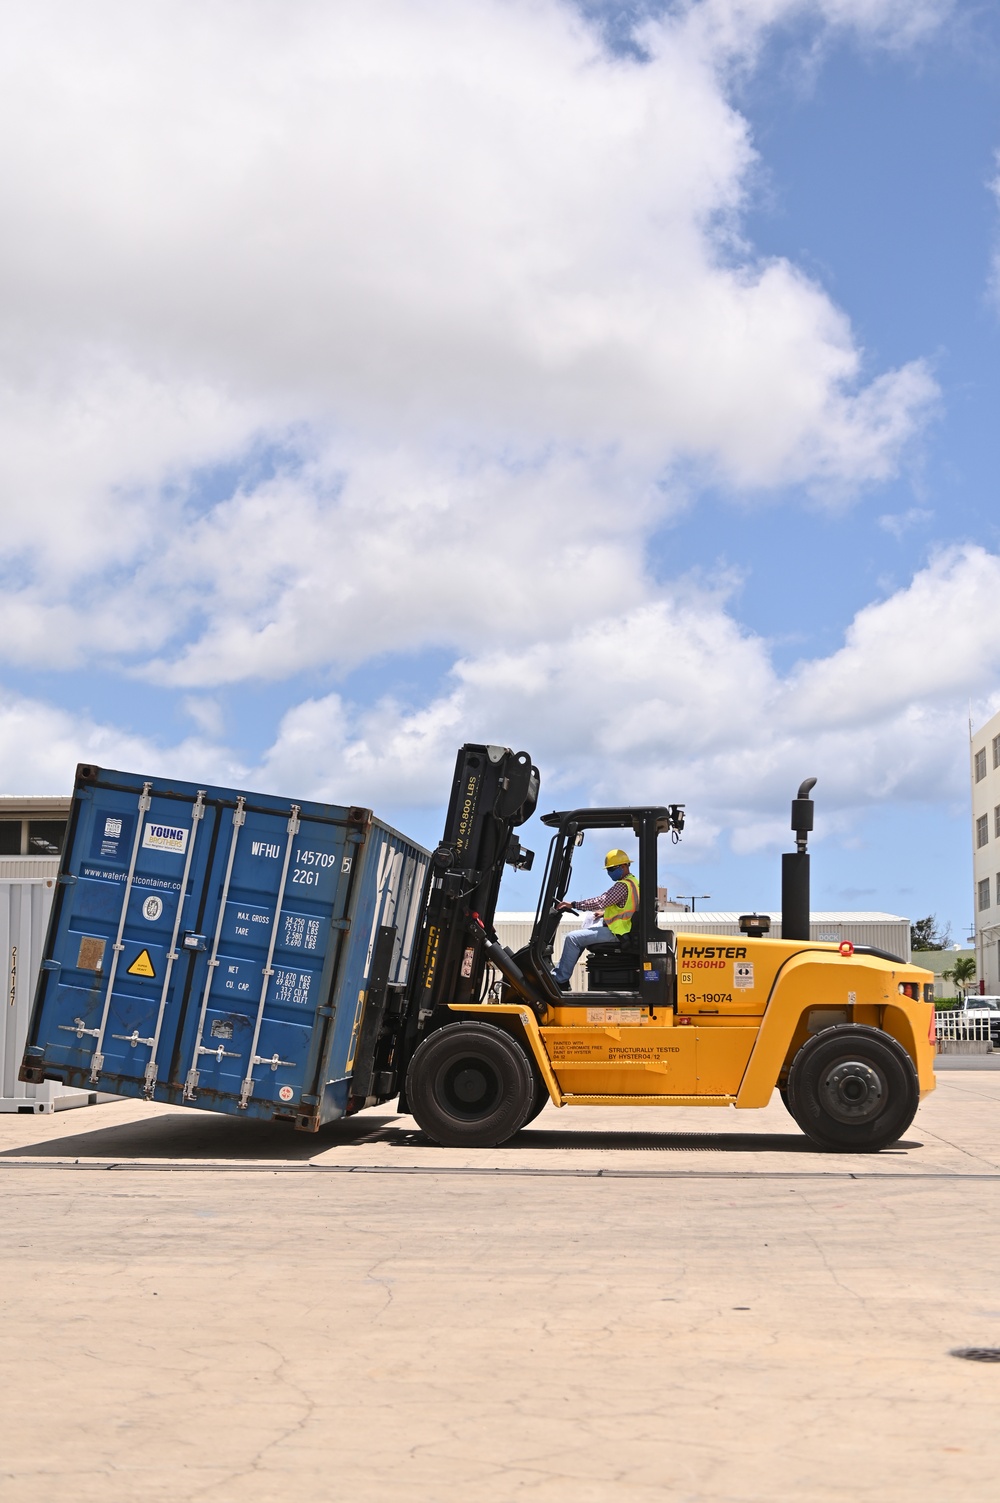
<point x="470" y="1085"/>
<point x="853" y="1089"/>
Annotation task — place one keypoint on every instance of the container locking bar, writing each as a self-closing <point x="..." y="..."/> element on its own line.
<point x="246" y="1090"/>
<point x="133" y="1038"/>
<point x="97" y="1059"/>
<point x="271" y="1059"/>
<point x="197" y="814"/>
<point x="80" y="1029"/>
<point x="191" y="1082"/>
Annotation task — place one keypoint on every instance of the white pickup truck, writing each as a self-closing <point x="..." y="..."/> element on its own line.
<point x="975" y="1006"/>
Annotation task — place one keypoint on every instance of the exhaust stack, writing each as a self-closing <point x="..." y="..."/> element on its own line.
<point x="795" y="868"/>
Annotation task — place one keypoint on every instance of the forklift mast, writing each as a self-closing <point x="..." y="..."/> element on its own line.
<point x="494" y="791"/>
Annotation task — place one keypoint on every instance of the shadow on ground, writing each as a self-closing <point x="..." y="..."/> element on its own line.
<point x="648" y="1142"/>
<point x="206" y="1135"/>
<point x="202" y="1135"/>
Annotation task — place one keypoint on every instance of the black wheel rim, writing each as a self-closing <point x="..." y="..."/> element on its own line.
<point x="471" y="1087"/>
<point x="853" y="1091"/>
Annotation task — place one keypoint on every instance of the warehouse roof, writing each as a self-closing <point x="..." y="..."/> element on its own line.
<point x="855" y="916"/>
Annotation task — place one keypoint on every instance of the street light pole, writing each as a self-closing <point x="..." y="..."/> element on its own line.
<point x="695" y="897"/>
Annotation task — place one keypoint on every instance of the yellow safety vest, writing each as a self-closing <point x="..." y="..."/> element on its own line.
<point x="618" y="916"/>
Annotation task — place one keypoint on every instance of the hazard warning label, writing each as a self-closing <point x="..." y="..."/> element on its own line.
<point x="142" y="965"/>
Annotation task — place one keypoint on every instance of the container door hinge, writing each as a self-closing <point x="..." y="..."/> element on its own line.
<point x="193" y="1075"/>
<point x="343" y="924"/>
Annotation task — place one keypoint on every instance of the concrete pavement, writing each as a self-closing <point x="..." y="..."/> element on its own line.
<point x="624" y="1304"/>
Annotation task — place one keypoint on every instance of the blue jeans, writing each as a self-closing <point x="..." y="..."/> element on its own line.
<point x="581" y="939"/>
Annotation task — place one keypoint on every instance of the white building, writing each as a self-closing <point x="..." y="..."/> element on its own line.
<point x="32" y="831"/>
<point x="985" y="751"/>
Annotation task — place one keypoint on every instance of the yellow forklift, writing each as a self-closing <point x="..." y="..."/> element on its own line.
<point x="484" y="1037"/>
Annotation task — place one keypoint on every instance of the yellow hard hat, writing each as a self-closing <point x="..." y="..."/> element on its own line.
<point x="617" y="858"/>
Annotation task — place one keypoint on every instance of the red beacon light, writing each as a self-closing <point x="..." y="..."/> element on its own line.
<point x="846" y="948"/>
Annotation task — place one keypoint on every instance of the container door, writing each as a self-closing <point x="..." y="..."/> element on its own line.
<point x="128" y="915"/>
<point x="282" y="885"/>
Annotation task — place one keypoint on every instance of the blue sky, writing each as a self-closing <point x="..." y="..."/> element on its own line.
<point x="619" y="382"/>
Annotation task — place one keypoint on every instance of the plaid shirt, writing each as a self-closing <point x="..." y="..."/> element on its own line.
<point x="617" y="895"/>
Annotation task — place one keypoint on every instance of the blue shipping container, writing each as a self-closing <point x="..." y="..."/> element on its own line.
<point x="225" y="950"/>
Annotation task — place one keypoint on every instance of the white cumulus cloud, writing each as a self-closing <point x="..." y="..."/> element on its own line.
<point x="339" y="331"/>
<point x="674" y="701"/>
<point x="305" y="308"/>
<point x="666" y="701"/>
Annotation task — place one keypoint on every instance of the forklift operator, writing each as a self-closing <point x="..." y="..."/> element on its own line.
<point x="619" y="904"/>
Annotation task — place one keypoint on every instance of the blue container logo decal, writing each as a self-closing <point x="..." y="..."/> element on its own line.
<point x="173" y="838"/>
<point x="112" y="839"/>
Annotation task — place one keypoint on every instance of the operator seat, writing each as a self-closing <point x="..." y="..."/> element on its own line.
<point x="624" y="944"/>
<point x="615" y="967"/>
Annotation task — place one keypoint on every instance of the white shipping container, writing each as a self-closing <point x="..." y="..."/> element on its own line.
<point x="25" y="905"/>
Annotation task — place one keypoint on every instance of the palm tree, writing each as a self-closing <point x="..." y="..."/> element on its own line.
<point x="962" y="972"/>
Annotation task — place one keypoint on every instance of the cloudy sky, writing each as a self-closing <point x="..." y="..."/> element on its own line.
<point x="616" y="381"/>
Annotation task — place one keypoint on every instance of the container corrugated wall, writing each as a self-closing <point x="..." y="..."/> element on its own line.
<point x="388" y="894"/>
<point x="25" y="906"/>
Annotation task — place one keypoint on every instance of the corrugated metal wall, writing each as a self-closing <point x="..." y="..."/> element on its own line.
<point x="883" y="931"/>
<point x="24" y="916"/>
<point x="514" y="930"/>
<point x="28" y="866"/>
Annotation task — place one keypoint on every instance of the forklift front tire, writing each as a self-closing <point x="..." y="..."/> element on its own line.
<point x="470" y="1085"/>
<point x="853" y="1089"/>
